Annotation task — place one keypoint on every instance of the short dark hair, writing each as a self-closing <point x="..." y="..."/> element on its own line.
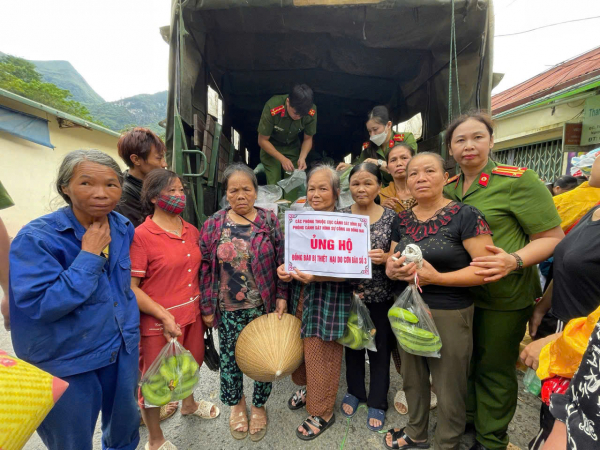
<point x="379" y="114"/>
<point x="139" y="141"/>
<point x="154" y="183"/>
<point x="403" y="145"/>
<point x="566" y="182"/>
<point x="301" y="99"/>
<point x="367" y="167"/>
<point x="478" y="115"/>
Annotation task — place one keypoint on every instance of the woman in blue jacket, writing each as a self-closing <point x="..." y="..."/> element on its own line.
<point x="72" y="311"/>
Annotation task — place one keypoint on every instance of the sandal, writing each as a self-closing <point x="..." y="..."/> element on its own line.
<point x="204" y="409"/>
<point x="401" y="398"/>
<point x="235" y="423"/>
<point x="378" y="414"/>
<point x="166" y="446"/>
<point x="351" y="401"/>
<point x="297" y="401"/>
<point x="400" y="434"/>
<point x="164" y="412"/>
<point x="316" y="421"/>
<point x="263" y="431"/>
<point x="433" y="401"/>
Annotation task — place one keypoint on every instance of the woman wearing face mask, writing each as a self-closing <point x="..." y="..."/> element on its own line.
<point x="396" y="195"/>
<point x="382" y="139"/>
<point x="450" y="235"/>
<point x="165" y="258"/>
<point x="323" y="304"/>
<point x="376" y="293"/>
<point x="241" y="249"/>
<point x="526" y="227"/>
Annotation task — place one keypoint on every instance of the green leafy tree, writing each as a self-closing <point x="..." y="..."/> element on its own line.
<point x="21" y="77"/>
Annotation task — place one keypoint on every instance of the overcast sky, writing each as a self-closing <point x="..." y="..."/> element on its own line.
<point x="117" y="47"/>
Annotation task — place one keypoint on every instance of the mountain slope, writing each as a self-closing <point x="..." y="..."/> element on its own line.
<point x="141" y="110"/>
<point x="65" y="76"/>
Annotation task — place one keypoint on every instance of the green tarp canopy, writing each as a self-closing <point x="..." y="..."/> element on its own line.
<point x="354" y="55"/>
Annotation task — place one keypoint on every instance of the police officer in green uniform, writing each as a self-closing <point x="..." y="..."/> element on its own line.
<point x="526" y="228"/>
<point x="282" y="119"/>
<point x="382" y="139"/>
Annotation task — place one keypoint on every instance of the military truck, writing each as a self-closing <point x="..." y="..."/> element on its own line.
<point x="432" y="57"/>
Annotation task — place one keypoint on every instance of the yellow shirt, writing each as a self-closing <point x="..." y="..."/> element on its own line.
<point x="574" y="204"/>
<point x="390" y="192"/>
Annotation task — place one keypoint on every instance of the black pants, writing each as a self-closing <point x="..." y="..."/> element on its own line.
<point x="379" y="361"/>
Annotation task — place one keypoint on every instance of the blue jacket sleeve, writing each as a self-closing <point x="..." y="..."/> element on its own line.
<point x="41" y="288"/>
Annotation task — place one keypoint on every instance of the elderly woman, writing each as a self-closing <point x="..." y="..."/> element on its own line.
<point x="526" y="229"/>
<point x="365" y="185"/>
<point x="73" y="313"/>
<point x="323" y="304"/>
<point x="396" y="195"/>
<point x="241" y="247"/>
<point x="450" y="235"/>
<point x="165" y="259"/>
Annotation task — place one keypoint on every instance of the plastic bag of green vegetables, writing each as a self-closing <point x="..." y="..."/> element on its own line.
<point x="360" y="331"/>
<point x="172" y="376"/>
<point x="413" y="324"/>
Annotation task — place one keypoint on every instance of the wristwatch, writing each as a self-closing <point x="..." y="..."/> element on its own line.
<point x="380" y="162"/>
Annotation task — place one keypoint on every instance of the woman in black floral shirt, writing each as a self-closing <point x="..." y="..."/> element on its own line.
<point x="365" y="184"/>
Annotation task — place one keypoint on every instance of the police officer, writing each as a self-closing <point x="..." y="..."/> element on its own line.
<point x="375" y="150"/>
<point x="282" y="119"/>
<point x="526" y="228"/>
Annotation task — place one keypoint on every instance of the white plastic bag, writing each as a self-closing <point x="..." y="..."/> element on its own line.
<point x="297" y="179"/>
<point x="584" y="163"/>
<point x="360" y="330"/>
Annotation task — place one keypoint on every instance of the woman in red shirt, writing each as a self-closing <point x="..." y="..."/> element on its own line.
<point x="165" y="259"/>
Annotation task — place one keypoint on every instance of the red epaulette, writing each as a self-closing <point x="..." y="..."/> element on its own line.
<point x="452" y="180"/>
<point x="311" y="112"/>
<point x="509" y="171"/>
<point x="277" y="110"/>
<point x="399" y="137"/>
<point x="366" y="145"/>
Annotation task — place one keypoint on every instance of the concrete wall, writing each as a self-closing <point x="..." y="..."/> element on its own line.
<point x="28" y="170"/>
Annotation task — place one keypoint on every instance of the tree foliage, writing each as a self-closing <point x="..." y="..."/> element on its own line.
<point x="21" y="77"/>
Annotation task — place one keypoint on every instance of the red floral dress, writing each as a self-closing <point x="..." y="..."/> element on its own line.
<point x="237" y="287"/>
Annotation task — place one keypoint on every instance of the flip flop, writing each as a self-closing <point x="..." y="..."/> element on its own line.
<point x="260" y="433"/>
<point x="316" y="421"/>
<point x="351" y="401"/>
<point x="400" y="434"/>
<point x="295" y="402"/>
<point x="166" y="446"/>
<point x="204" y="408"/>
<point x="378" y="414"/>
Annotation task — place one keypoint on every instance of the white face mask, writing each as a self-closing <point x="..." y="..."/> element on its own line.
<point x="379" y="139"/>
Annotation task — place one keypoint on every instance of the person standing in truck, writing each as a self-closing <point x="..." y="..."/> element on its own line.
<point x="282" y="119"/>
<point x="382" y="138"/>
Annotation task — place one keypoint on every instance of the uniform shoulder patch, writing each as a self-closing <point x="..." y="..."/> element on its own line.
<point x="509" y="171"/>
<point x="311" y="112"/>
<point x="452" y="179"/>
<point x="277" y="110"/>
<point x="399" y="137"/>
<point x="366" y="145"/>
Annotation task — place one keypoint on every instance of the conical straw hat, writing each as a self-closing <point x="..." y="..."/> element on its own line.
<point x="268" y="348"/>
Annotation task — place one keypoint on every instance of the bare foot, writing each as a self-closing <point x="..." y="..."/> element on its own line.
<point x="348" y="409"/>
<point x="402" y="409"/>
<point x="375" y="423"/>
<point x="260" y="422"/>
<point x="315" y="430"/>
<point x="401" y="441"/>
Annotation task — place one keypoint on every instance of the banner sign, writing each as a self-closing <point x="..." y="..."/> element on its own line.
<point x="329" y="244"/>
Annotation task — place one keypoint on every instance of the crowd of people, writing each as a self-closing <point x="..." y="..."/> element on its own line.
<point x="98" y="287"/>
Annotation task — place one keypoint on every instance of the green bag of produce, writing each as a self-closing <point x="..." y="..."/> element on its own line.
<point x="413" y="324"/>
<point x="360" y="331"/>
<point x="172" y="376"/>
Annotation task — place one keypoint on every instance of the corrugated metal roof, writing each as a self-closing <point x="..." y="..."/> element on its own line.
<point x="565" y="74"/>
